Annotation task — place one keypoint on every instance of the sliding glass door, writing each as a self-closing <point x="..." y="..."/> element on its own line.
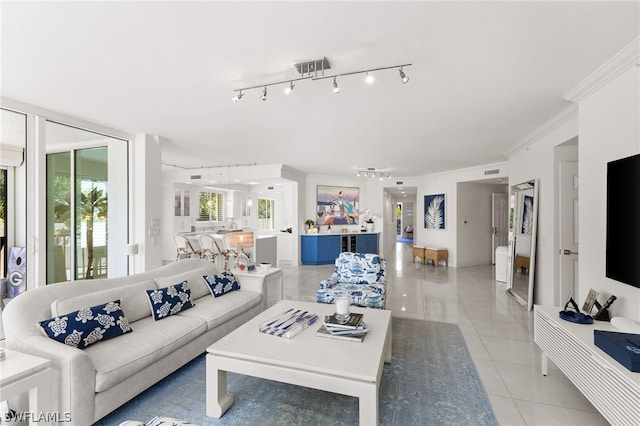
<point x="91" y="202"/>
<point x="78" y="207"/>
<point x="59" y="217"/>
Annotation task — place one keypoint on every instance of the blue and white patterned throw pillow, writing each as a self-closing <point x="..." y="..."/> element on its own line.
<point x="170" y="300"/>
<point x="88" y="325"/>
<point x="221" y="284"/>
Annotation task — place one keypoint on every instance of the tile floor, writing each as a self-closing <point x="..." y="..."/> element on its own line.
<point x="498" y="332"/>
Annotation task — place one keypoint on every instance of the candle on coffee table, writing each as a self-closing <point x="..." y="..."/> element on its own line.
<point x="342" y="305"/>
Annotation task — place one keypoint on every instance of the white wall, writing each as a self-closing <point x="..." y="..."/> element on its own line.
<point x="609" y="130"/>
<point x="146" y="202"/>
<point x="118" y="153"/>
<point x="536" y="161"/>
<point x="447" y="183"/>
<point x="607" y="122"/>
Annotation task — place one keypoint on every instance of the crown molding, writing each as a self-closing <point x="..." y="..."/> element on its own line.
<point x="29" y="109"/>
<point x="567" y="114"/>
<point x="626" y="58"/>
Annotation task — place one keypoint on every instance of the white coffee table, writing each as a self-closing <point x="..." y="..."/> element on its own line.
<point x="344" y="367"/>
<point x="23" y="373"/>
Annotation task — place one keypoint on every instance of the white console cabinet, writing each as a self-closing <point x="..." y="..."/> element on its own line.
<point x="608" y="385"/>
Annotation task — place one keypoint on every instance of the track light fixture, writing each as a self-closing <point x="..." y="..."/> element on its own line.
<point x="369" y="78"/>
<point x="403" y="76"/>
<point x="289" y="88"/>
<point x="237" y="97"/>
<point x="314" y="70"/>
<point x="373" y="173"/>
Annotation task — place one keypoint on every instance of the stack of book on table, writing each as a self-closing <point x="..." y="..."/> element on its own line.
<point x="289" y="323"/>
<point x="353" y="329"/>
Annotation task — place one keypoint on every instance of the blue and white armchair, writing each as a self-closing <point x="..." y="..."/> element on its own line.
<point x="360" y="275"/>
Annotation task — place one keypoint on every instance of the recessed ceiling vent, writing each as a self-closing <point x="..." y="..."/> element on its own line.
<point x="492" y="172"/>
<point x="196" y="177"/>
<point x="399" y="182"/>
<point x="269" y="187"/>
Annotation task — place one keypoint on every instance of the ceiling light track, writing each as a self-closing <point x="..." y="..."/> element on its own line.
<point x="219" y="166"/>
<point x="262" y="86"/>
<point x="400" y="67"/>
<point x="309" y="71"/>
<point x="373" y="173"/>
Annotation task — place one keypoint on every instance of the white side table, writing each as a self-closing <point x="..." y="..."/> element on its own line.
<point x="271" y="280"/>
<point x="21" y="373"/>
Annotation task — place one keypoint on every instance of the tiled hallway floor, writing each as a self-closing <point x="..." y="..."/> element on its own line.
<point x="498" y="332"/>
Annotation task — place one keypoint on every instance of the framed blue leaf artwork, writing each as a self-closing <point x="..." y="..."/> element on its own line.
<point x="527" y="215"/>
<point x="434" y="209"/>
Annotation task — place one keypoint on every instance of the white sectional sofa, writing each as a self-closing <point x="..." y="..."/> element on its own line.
<point x="91" y="382"/>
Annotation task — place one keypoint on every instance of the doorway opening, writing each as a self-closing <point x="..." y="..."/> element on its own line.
<point x="404" y="222"/>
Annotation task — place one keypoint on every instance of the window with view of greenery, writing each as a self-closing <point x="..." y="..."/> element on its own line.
<point x="265" y="214"/>
<point x="211" y="206"/>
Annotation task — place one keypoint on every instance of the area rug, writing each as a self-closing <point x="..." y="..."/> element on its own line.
<point x="430" y="381"/>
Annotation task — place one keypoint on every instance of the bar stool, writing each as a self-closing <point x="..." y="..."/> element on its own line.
<point x="184" y="248"/>
<point x="209" y="250"/>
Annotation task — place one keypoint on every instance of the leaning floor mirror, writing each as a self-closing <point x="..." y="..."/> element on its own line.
<point x="523" y="224"/>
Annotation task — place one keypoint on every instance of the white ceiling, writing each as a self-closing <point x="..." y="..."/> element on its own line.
<point x="484" y="75"/>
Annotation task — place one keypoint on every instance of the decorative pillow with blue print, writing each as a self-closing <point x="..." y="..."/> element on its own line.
<point x="170" y="300"/>
<point x="88" y="325"/>
<point x="221" y="284"/>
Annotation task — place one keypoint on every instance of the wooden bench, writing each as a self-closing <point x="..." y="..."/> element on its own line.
<point x="436" y="255"/>
<point x="418" y="252"/>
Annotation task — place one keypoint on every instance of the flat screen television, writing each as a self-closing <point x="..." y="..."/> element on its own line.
<point x="623" y="220"/>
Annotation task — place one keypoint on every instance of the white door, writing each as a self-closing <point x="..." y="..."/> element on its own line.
<point x="568" y="202"/>
<point x="499" y="225"/>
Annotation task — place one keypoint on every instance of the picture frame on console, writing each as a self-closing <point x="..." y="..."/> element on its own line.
<point x="590" y="301"/>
